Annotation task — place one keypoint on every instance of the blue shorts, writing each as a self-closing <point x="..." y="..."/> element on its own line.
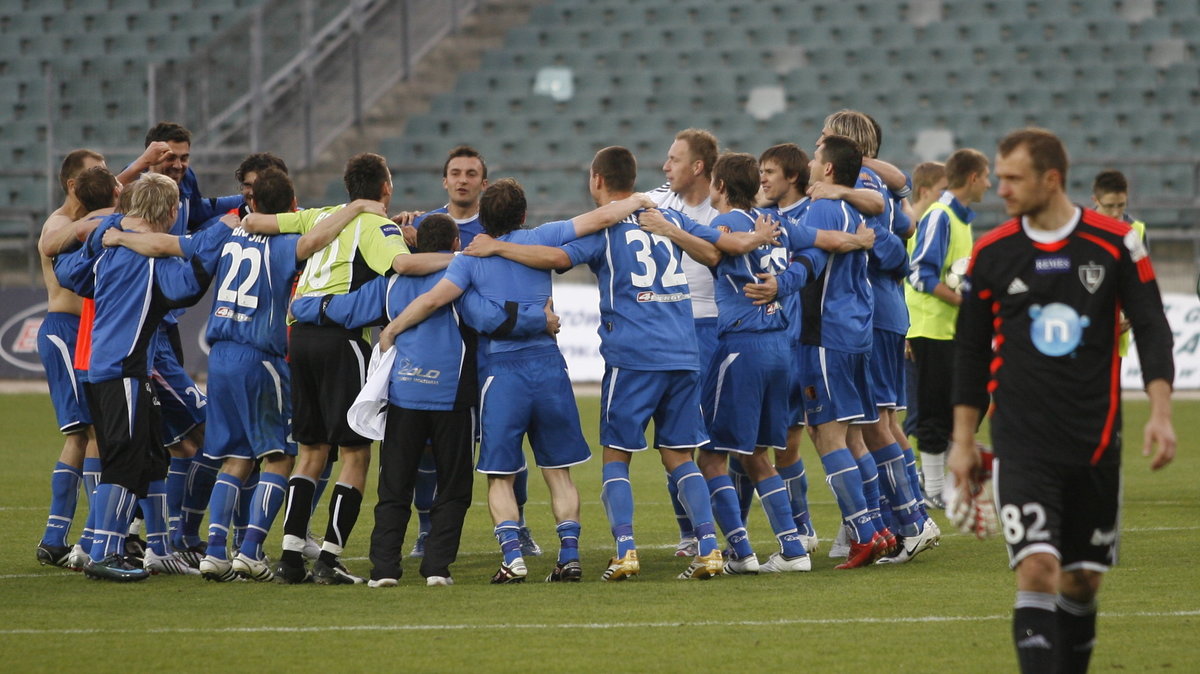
<point x="706" y="340"/>
<point x="886" y="370"/>
<point x="630" y="398"/>
<point x="56" y="347"/>
<point x="529" y="392"/>
<point x="249" y="404"/>
<point x="181" y="400"/>
<point x="746" y="392"/>
<point x="836" y="387"/>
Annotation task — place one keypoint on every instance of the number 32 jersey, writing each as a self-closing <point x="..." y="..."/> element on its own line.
<point x="645" y="303"/>
<point x="253" y="284"/>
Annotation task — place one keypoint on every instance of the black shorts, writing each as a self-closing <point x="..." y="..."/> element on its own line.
<point x="129" y="433"/>
<point x="1069" y="511"/>
<point x="329" y="367"/>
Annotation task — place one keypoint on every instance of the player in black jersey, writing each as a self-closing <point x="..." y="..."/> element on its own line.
<point x="1038" y="331"/>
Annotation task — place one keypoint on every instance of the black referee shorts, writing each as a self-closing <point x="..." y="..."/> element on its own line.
<point x="329" y="367"/>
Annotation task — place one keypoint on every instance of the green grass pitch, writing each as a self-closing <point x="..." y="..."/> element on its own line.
<point x="947" y="611"/>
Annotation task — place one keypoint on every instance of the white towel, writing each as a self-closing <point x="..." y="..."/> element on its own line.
<point x="368" y="414"/>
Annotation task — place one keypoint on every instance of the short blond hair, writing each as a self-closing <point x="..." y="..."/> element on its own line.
<point x="856" y="126"/>
<point x="153" y="197"/>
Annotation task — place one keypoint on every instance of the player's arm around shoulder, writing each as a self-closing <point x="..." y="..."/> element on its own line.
<point x="705" y="252"/>
<point x="325" y="230"/>
<point x="441" y="294"/>
<point x="530" y="255"/>
<point x="610" y="214"/>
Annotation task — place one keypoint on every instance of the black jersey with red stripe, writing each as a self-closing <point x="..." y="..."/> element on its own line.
<point x="1038" y="330"/>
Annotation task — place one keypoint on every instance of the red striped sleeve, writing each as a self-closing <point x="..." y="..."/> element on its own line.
<point x="1107" y="246"/>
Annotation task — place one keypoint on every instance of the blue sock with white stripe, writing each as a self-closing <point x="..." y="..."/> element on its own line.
<point x="241" y="514"/>
<point x="568" y="541"/>
<point x="64" y="494"/>
<point x="914" y="479"/>
<point x="221" y="505"/>
<point x="508" y="535"/>
<point x="177" y="476"/>
<point x="774" y="497"/>
<point x="617" y="496"/>
<point x="264" y="506"/>
<point x="681" y="516"/>
<point x="796" y="480"/>
<point x="521" y="492"/>
<point x="425" y="491"/>
<point x="895" y="486"/>
<point x="154" y="512"/>
<point x="729" y="516"/>
<point x="743" y="485"/>
<point x="696" y="499"/>
<point x="870" y="479"/>
<point x="91" y="478"/>
<point x="114" y="508"/>
<point x="202" y="475"/>
<point x="841" y="472"/>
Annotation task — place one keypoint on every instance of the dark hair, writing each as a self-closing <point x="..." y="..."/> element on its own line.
<point x="464" y="151"/>
<point x="737" y="173"/>
<point x="436" y="233"/>
<point x="257" y="163"/>
<point x="72" y="165"/>
<point x="792" y="160"/>
<point x="963" y="164"/>
<point x="273" y="192"/>
<point x="168" y="132"/>
<point x="502" y="207"/>
<point x="618" y="168"/>
<point x="1110" y="181"/>
<point x="702" y="145"/>
<point x="1045" y="150"/>
<point x="365" y="175"/>
<point x="95" y="188"/>
<point x="845" y="156"/>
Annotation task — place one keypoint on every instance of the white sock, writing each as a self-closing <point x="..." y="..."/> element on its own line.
<point x="933" y="467"/>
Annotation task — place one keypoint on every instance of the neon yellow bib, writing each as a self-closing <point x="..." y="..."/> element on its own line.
<point x="929" y="316"/>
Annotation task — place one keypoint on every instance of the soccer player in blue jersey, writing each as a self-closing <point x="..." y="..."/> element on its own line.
<point x="132" y="294"/>
<point x="432" y="393"/>
<point x="464" y="177"/>
<point x="526" y="389"/>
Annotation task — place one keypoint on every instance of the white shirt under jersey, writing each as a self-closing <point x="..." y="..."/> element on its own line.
<point x="699" y="277"/>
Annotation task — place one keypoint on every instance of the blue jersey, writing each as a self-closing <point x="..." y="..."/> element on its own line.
<point x="887" y="260"/>
<point x="500" y="280"/>
<point x="133" y="293"/>
<point x="197" y="212"/>
<point x="467" y="229"/>
<point x="800" y="240"/>
<point x="735" y="311"/>
<point x="646" y="320"/>
<point x="836" y="308"/>
<point x="254" y="276"/>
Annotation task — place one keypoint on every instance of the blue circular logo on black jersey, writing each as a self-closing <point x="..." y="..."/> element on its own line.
<point x="1056" y="329"/>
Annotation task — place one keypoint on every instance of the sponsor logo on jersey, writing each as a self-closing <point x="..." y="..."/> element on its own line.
<point x="724" y="229"/>
<point x="390" y="230"/>
<point x="1052" y="264"/>
<point x="1017" y="287"/>
<point x="1091" y="275"/>
<point x="406" y="368"/>
<point x="1056" y="328"/>
<point x="226" y="312"/>
<point x="651" y="296"/>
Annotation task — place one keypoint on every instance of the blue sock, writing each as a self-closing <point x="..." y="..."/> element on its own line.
<point x="64" y="494"/>
<point x="742" y="485"/>
<point x="220" y="513"/>
<point x="91" y="477"/>
<point x="870" y="479"/>
<point x="617" y="496"/>
<point x="729" y="516"/>
<point x="885" y="509"/>
<point x="796" y="480"/>
<point x="202" y="474"/>
<point x="568" y="541"/>
<point x="508" y="534"/>
<point x="114" y="509"/>
<point x="521" y="492"/>
<point x="681" y="516"/>
<point x="841" y="472"/>
<point x="914" y="480"/>
<point x="264" y="506"/>
<point x="154" y="514"/>
<point x="322" y="481"/>
<point x="894" y="484"/>
<point x="241" y="515"/>
<point x="177" y="477"/>
<point x="425" y="491"/>
<point x="696" y="499"/>
<point x="774" y="497"/>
